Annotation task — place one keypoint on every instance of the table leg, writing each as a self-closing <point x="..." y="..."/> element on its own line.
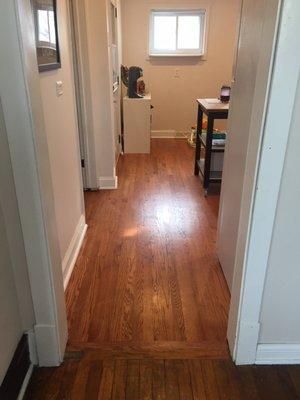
<point x="198" y="141"/>
<point x="209" y="135"/>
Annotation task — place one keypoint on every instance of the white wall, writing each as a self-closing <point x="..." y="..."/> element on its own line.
<point x="174" y="98"/>
<point x="245" y="119"/>
<point x="280" y="322"/>
<point x="16" y="308"/>
<point x="100" y="86"/>
<point x="10" y="320"/>
<point x="62" y="136"/>
<point x="271" y="115"/>
<point x="12" y="223"/>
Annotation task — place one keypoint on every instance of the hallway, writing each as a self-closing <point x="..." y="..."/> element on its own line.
<point x="147" y="302"/>
<point x="148" y="275"/>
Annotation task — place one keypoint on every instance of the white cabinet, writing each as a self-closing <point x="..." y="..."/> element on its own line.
<point x="137" y="124"/>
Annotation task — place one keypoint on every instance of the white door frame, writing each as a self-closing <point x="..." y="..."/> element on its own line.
<point x="259" y="205"/>
<point x="23" y="117"/>
<point x="117" y="94"/>
<point x="23" y="114"/>
<point x="83" y="94"/>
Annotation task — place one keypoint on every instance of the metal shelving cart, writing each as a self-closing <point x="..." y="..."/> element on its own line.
<point x="213" y="111"/>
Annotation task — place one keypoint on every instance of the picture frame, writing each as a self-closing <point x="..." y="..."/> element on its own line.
<point x="46" y="33"/>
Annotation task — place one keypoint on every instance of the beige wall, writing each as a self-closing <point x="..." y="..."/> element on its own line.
<point x="174" y="98"/>
<point x="61" y="129"/>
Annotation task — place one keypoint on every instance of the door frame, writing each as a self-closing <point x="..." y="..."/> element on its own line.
<point x="20" y="92"/>
<point x="82" y="92"/>
<point x="263" y="176"/>
<point x="25" y="128"/>
<point x="115" y="96"/>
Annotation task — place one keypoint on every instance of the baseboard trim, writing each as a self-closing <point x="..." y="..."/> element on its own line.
<point x="73" y="250"/>
<point x="46" y="341"/>
<point x="25" y="382"/>
<point x="269" y="354"/>
<point x="17" y="371"/>
<point x="108" y="182"/>
<point x="168" y="134"/>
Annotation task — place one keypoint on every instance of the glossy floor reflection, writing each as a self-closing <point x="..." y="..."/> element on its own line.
<point x="148" y="274"/>
<point x="147" y="301"/>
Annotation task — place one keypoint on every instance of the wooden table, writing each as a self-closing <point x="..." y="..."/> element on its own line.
<point x="213" y="110"/>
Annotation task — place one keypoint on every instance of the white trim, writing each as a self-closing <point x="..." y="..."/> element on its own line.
<point x="71" y="255"/>
<point x="23" y="115"/>
<point x="278" y="353"/>
<point x="82" y="75"/>
<point x="199" y="52"/>
<point x="25" y="382"/>
<point x="108" y="182"/>
<point x="46" y="338"/>
<point x="32" y="347"/>
<point x="168" y="134"/>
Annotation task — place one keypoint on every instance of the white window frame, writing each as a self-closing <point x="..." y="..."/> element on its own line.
<point x="200" y="52"/>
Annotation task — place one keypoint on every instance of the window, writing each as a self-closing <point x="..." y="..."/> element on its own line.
<point x="177" y="33"/>
<point x="46" y="27"/>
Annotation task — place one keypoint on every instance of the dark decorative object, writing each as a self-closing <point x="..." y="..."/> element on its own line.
<point x="46" y="33"/>
<point x="225" y="94"/>
<point x="130" y="78"/>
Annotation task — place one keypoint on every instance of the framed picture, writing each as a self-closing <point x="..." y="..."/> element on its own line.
<point x="46" y="33"/>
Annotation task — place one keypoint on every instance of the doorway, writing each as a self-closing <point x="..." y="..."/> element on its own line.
<point x="92" y="247"/>
<point x="129" y="301"/>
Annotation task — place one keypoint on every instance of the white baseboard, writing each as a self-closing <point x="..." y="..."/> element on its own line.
<point x="25" y="382"/>
<point x="46" y="345"/>
<point x="73" y="250"/>
<point x="168" y="134"/>
<point x="108" y="182"/>
<point x="32" y="347"/>
<point x="278" y="354"/>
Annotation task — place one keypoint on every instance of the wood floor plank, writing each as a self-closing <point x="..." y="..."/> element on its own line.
<point x="107" y="380"/>
<point x="210" y="380"/>
<point x="119" y="383"/>
<point x="145" y="379"/>
<point x="67" y="381"/>
<point x="271" y="385"/>
<point x="158" y="380"/>
<point x="93" y="380"/>
<point x="171" y="377"/>
<point x="148" y="379"/>
<point x="184" y="380"/>
<point x="158" y="350"/>
<point x="294" y="373"/>
<point x="80" y="382"/>
<point x="197" y="383"/>
<point x="133" y="380"/>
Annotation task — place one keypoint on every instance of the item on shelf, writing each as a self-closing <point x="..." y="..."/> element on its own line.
<point x="141" y="88"/>
<point x="225" y="94"/>
<point x="218" y="138"/>
<point x="192" y="138"/>
<point x="130" y="77"/>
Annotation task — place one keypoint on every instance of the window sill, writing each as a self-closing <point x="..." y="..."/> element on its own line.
<point x="178" y="55"/>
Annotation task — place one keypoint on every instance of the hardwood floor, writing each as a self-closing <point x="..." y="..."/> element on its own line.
<point x="147" y="379"/>
<point x="147" y="302"/>
<point x="148" y="273"/>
